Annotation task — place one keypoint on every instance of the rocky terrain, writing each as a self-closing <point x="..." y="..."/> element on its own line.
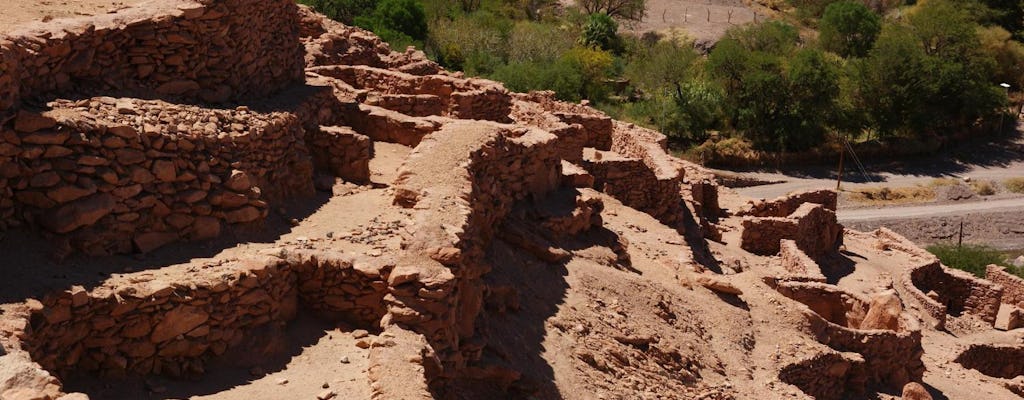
<point x="240" y="199"/>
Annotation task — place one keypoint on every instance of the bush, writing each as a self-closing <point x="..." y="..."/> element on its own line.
<point x="344" y="11"/>
<point x="984" y="188"/>
<point x="970" y="258"/>
<point x="560" y="76"/>
<point x="1015" y="185"/>
<point x="537" y="42"/>
<point x="886" y="195"/>
<point x="849" y="28"/>
<point x="477" y="43"/>
<point x="601" y="31"/>
<point x="396" y="21"/>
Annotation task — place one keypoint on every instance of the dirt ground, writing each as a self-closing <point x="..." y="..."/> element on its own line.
<point x="16" y="12"/>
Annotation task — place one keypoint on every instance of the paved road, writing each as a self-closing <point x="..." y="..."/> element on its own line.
<point x="864" y="214"/>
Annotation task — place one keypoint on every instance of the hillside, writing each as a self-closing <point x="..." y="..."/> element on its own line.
<point x="243" y="199"/>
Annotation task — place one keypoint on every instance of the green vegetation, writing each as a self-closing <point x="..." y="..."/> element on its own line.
<point x="849" y="29"/>
<point x="895" y="72"/>
<point x="971" y="258"/>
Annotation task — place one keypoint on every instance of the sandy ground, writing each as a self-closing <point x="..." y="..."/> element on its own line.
<point x="17" y="12"/>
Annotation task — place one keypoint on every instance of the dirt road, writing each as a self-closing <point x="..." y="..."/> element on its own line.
<point x="932" y="210"/>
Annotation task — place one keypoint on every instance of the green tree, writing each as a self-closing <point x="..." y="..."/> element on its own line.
<point x="892" y="82"/>
<point x="344" y="11"/>
<point x="677" y="101"/>
<point x="781" y="97"/>
<point x="630" y="10"/>
<point x="396" y="21"/>
<point x="849" y="28"/>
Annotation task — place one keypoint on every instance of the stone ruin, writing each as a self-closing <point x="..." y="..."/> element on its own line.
<point x="807" y="218"/>
<point x="178" y="121"/>
<point x="185" y="120"/>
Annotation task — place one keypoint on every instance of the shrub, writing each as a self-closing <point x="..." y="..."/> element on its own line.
<point x="1015" y="185"/>
<point x="476" y="43"/>
<point x="402" y="21"/>
<point x="536" y="42"/>
<point x="631" y="10"/>
<point x="886" y="195"/>
<point x="970" y="258"/>
<point x="344" y="11"/>
<point x="984" y="188"/>
<point x="849" y="29"/>
<point x="601" y="31"/>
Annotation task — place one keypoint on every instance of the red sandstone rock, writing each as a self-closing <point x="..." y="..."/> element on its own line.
<point x="178" y="321"/>
<point x="884" y="311"/>
<point x="164" y="170"/>
<point x="79" y="213"/>
<point x="245" y="214"/>
<point x="915" y="391"/>
<point x="238" y="181"/>
<point x="29" y="122"/>
<point x="150" y="241"/>
<point x="1010" y="317"/>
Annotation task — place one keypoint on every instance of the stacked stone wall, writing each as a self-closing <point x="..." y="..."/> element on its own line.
<point x="459" y="98"/>
<point x="114" y="174"/>
<point x="827" y="375"/>
<point x="785" y="205"/>
<point x="811" y="226"/>
<point x="999" y="361"/>
<point x="436" y="289"/>
<point x="145" y="323"/>
<point x="797" y="264"/>
<point x="198" y="51"/>
<point x="660" y="197"/>
<point x="954" y="293"/>
<point x="342" y="151"/>
<point x="1013" y="286"/>
<point x="891" y="358"/>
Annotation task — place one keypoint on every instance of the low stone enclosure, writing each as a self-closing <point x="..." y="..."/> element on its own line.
<point x="887" y="340"/>
<point x="807" y="218"/>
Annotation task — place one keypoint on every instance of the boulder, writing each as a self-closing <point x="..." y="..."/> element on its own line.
<point x="883" y="312"/>
<point x="915" y="391"/>
<point x="718" y="285"/>
<point x="1010" y="317"/>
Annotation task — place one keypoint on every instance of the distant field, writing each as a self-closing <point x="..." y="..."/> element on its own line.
<point x="693" y="16"/>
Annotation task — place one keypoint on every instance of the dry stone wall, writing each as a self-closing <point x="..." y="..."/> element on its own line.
<point x="812" y="226"/>
<point x="891" y="357"/>
<point x="999" y="361"/>
<point x="437" y="289"/>
<point x="785" y="205"/>
<point x="197" y="51"/>
<point x="827" y="375"/>
<point x="146" y="323"/>
<point x="342" y="151"/>
<point x="957" y="291"/>
<point x="117" y="174"/>
<point x="1013" y="286"/>
<point x="797" y="264"/>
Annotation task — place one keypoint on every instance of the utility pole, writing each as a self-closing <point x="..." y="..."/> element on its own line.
<point x="842" y="151"/>
<point x="1002" y="115"/>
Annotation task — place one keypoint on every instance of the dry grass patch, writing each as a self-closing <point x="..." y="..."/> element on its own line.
<point x="1015" y="185"/>
<point x="984" y="188"/>
<point x="886" y="195"/>
<point x="941" y="182"/>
